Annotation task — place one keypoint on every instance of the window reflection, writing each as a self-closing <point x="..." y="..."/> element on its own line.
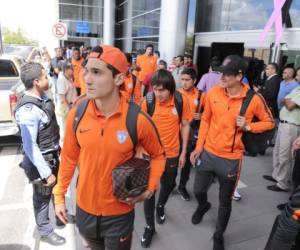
<point x="140" y="24"/>
<point x="224" y="15"/>
<point x="88" y="12"/>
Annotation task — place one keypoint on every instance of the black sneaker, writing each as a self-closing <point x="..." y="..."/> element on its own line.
<point x="184" y="194"/>
<point x="218" y="242"/>
<point x="147" y="236"/>
<point x="199" y="213"/>
<point x="160" y="214"/>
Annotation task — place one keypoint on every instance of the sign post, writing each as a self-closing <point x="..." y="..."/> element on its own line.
<point x="60" y="31"/>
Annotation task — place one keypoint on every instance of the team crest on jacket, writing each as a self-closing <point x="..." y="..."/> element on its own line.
<point x="122" y="136"/>
<point x="196" y="102"/>
<point x="174" y="111"/>
<point x="130" y="85"/>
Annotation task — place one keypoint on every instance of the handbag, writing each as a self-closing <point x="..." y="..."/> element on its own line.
<point x="130" y="179"/>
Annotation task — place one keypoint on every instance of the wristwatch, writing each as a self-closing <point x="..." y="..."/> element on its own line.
<point x="246" y="128"/>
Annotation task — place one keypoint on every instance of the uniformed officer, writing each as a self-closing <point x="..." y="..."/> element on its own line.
<point x="40" y="136"/>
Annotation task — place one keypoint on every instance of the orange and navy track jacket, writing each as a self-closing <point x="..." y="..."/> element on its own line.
<point x="147" y="64"/>
<point x="100" y="145"/>
<point x="218" y="133"/>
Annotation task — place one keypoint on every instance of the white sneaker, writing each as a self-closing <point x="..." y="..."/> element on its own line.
<point x="236" y="196"/>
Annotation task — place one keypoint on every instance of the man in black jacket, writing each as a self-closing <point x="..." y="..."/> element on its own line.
<point x="271" y="88"/>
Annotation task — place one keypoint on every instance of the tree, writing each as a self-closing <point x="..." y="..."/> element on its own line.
<point x="189" y="44"/>
<point x="12" y="37"/>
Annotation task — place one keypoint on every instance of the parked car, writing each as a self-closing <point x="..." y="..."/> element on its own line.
<point x="9" y="77"/>
<point x="18" y="50"/>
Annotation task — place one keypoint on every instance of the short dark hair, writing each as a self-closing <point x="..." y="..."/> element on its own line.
<point x="76" y="49"/>
<point x="165" y="79"/>
<point x="189" y="71"/>
<point x="29" y="72"/>
<point x="214" y="63"/>
<point x="275" y="66"/>
<point x="157" y="52"/>
<point x="162" y="62"/>
<point x="181" y="57"/>
<point x="292" y="68"/>
<point x="149" y="46"/>
<point x="128" y="57"/>
<point x="113" y="70"/>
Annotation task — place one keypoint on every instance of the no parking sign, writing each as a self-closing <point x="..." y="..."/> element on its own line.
<point x="60" y="30"/>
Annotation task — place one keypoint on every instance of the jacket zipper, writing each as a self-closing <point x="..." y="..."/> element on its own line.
<point x="235" y="131"/>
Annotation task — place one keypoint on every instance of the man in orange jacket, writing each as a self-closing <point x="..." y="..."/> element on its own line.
<point x="101" y="143"/>
<point x="76" y="62"/>
<point x="131" y="86"/>
<point x="196" y="101"/>
<point x="219" y="149"/>
<point x="146" y="63"/>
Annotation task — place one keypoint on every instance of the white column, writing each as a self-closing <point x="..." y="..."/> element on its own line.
<point x="127" y="31"/>
<point x="173" y="27"/>
<point x="109" y="21"/>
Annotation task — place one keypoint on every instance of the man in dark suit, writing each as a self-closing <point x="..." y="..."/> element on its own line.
<point x="271" y="88"/>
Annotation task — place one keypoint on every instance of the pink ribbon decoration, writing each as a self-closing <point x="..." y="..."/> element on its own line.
<point x="276" y="18"/>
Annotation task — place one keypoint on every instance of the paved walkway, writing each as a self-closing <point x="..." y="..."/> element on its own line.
<point x="248" y="229"/>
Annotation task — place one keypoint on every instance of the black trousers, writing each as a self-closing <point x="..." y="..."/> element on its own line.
<point x="167" y="184"/>
<point x="227" y="171"/>
<point x="284" y="234"/>
<point x="106" y="232"/>
<point x="296" y="171"/>
<point x="41" y="195"/>
<point x="185" y="171"/>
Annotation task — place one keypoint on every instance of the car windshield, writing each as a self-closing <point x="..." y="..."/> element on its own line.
<point x="8" y="69"/>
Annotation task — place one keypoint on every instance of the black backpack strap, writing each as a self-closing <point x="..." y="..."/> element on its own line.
<point x="199" y="99"/>
<point x="246" y="101"/>
<point x="178" y="104"/>
<point x="80" y="110"/>
<point x="131" y="123"/>
<point x="134" y="84"/>
<point x="150" y="103"/>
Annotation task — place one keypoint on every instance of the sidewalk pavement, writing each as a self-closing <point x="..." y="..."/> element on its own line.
<point x="248" y="229"/>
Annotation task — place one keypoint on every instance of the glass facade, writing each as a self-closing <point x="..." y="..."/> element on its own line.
<point x="84" y="17"/>
<point x="226" y="15"/>
<point x="290" y="58"/>
<point x="137" y="22"/>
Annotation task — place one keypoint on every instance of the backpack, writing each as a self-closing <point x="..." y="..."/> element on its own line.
<point x="255" y="142"/>
<point x="131" y="119"/>
<point x="150" y="101"/>
<point x="133" y="88"/>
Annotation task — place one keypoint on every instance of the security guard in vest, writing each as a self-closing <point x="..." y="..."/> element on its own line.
<point x="40" y="136"/>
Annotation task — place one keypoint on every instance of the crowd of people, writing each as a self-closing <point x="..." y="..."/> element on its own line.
<point x="181" y="122"/>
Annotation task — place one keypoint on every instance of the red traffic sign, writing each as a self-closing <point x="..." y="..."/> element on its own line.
<point x="59" y="30"/>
